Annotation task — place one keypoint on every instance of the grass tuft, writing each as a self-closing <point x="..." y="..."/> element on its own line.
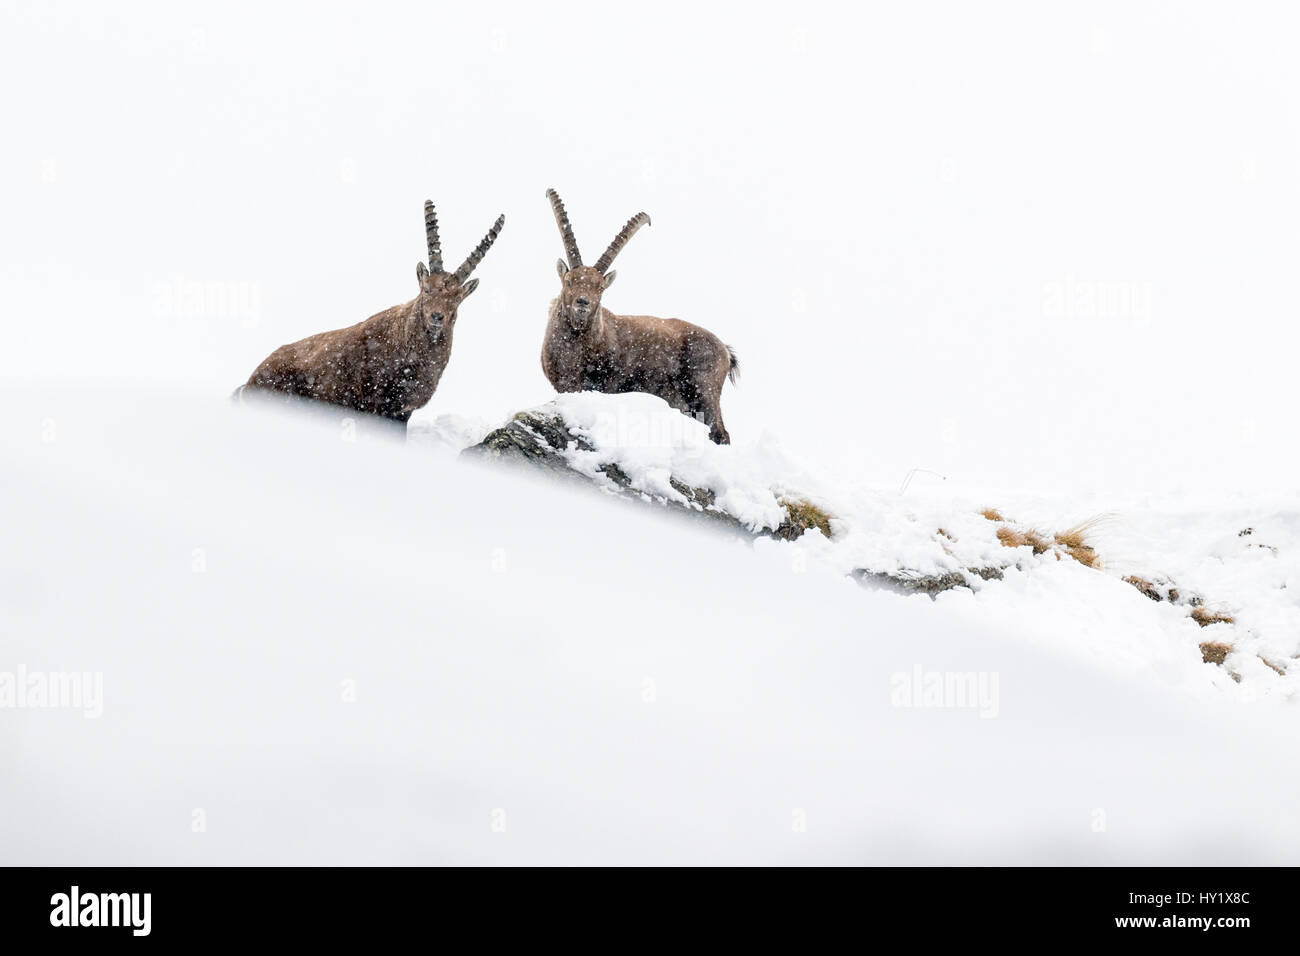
<point x="801" y="515"/>
<point x="1145" y="586"/>
<point x="1215" y="652"/>
<point x="1013" y="538"/>
<point x="1075" y="541"/>
<point x="1072" y="541"/>
<point x="1205" y="617"/>
<point x="993" y="514"/>
<point x="1270" y="664"/>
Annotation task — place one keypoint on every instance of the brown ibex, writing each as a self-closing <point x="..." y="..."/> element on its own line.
<point x="589" y="348"/>
<point x="389" y="365"/>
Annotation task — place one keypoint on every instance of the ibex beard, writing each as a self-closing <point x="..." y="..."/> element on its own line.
<point x="390" y="364"/>
<point x="589" y="348"/>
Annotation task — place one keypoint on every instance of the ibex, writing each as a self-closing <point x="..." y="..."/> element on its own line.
<point x="589" y="348"/>
<point x="389" y="365"/>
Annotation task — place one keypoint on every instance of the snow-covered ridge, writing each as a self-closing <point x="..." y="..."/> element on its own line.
<point x="1211" y="598"/>
<point x="307" y="628"/>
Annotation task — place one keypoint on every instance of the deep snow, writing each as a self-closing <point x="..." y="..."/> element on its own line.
<point x="1038" y="258"/>
<point x="1196" y="547"/>
<point x="544" y="676"/>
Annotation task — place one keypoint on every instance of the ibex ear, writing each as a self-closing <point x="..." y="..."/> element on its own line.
<point x="609" y="278"/>
<point x="421" y="272"/>
<point x="468" y="287"/>
<point x="561" y="267"/>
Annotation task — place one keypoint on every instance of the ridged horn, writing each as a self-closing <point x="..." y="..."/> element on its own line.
<point x="475" y="257"/>
<point x="431" y="233"/>
<point x="624" y="234"/>
<point x="566" y="229"/>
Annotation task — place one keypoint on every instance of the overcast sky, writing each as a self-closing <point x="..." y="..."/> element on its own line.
<point x="1023" y="248"/>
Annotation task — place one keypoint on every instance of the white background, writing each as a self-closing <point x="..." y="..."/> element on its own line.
<point x="902" y="217"/>
<point x="1043" y="252"/>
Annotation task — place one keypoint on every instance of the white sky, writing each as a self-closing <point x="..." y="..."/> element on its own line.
<point x="903" y="217"/>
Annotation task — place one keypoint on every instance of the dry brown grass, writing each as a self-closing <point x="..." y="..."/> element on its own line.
<point x="945" y="534"/>
<point x="1215" y="652"/>
<point x="802" y="515"/>
<point x="1075" y="541"/>
<point x="1145" y="586"/>
<point x="1072" y="541"/>
<point x="1078" y="549"/>
<point x="1014" y="538"/>
<point x="1157" y="591"/>
<point x="1277" y="667"/>
<point x="1203" y="616"/>
<point x="993" y="514"/>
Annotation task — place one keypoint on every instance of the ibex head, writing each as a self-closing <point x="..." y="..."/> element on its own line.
<point x="441" y="293"/>
<point x="581" y="286"/>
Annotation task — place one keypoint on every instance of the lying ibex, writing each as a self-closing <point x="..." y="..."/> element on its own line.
<point x="389" y="365"/>
<point x="589" y="348"/>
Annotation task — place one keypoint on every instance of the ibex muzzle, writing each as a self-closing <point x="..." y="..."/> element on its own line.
<point x="589" y="348"/>
<point x="390" y="364"/>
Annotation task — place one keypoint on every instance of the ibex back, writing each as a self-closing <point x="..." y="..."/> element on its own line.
<point x="589" y="348"/>
<point x="390" y="364"/>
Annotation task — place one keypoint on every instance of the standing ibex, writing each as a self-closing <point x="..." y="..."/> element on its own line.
<point x="589" y="348"/>
<point x="389" y="365"/>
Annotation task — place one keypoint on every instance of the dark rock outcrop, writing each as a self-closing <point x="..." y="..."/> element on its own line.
<point x="911" y="582"/>
<point x="534" y="440"/>
<point x="537" y="441"/>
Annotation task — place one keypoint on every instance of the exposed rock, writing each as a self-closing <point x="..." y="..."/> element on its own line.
<point x="801" y="516"/>
<point x="535" y="440"/>
<point x="538" y="441"/>
<point x="1159" y="590"/>
<point x="911" y="582"/>
<point x="542" y="441"/>
<point x="1145" y="587"/>
<point x="532" y="439"/>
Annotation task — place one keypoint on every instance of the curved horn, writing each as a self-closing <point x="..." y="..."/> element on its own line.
<point x="475" y="257"/>
<point x="615" y="247"/>
<point x="431" y="233"/>
<point x="566" y="229"/>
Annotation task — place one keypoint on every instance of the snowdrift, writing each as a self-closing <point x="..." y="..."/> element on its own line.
<point x="1224" y="582"/>
<point x="320" y="645"/>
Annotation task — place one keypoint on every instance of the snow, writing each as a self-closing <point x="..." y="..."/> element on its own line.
<point x="543" y="676"/>
<point x="950" y="289"/>
<point x="448" y="434"/>
<point x="1095" y="613"/>
<point x="653" y="443"/>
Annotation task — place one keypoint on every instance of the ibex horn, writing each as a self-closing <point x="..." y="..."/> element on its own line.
<point x="475" y="257"/>
<point x="431" y="233"/>
<point x="566" y="229"/>
<point x="626" y="233"/>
